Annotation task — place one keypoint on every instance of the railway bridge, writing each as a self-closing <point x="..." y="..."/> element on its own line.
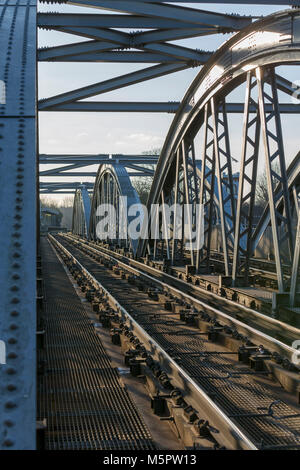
<point x="171" y="323"/>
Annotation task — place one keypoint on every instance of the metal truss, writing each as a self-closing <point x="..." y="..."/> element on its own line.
<point x="81" y="212"/>
<point x="113" y="189"/>
<point x="18" y="224"/>
<point x="154" y="26"/>
<point x="235" y="64"/>
<point x="275" y="168"/>
<point x="63" y="187"/>
<point x="247" y="181"/>
<point x="138" y="165"/>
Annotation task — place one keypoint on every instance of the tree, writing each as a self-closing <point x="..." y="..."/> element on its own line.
<point x="142" y="184"/>
<point x="142" y="187"/>
<point x="261" y="195"/>
<point x="261" y="191"/>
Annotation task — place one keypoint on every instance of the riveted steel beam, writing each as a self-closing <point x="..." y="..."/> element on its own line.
<point x="120" y="107"/>
<point x="76" y="20"/>
<point x="98" y="159"/>
<point x="177" y="13"/>
<point x="18" y="228"/>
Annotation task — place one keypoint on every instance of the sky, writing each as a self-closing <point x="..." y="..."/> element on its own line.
<point x="128" y="133"/>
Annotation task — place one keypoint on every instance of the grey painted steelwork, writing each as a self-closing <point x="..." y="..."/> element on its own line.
<point x="137" y="163"/>
<point x="128" y="107"/>
<point x="157" y="23"/>
<point x="112" y="185"/>
<point x="18" y="224"/>
<point x="274" y="41"/>
<point x="81" y="212"/>
<point x="63" y="187"/>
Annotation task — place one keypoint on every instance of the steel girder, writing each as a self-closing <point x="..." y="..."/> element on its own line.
<point x="81" y="212"/>
<point x="106" y="44"/>
<point x="231" y="2"/>
<point x="18" y="224"/>
<point x="137" y="164"/>
<point x="63" y="187"/>
<point x="112" y="185"/>
<point x="293" y="182"/>
<point x="233" y="64"/>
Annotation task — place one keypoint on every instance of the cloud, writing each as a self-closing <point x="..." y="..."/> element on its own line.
<point x="144" y="138"/>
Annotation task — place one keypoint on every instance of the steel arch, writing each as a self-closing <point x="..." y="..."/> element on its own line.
<point x="113" y="186"/>
<point x="250" y="56"/>
<point x="81" y="212"/>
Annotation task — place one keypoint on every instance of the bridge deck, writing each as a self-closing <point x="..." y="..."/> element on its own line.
<point x="81" y="395"/>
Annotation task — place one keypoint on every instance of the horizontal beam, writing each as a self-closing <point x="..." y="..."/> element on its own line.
<point x="93" y="174"/>
<point x="284" y="108"/>
<point x="165" y="11"/>
<point x="74" y="174"/>
<point x="97" y="159"/>
<point x="111" y="84"/>
<point x="53" y="20"/>
<point x="97" y="51"/>
<point x="138" y="39"/>
<point x="231" y="2"/>
<point x="168" y="107"/>
<point x="65" y="185"/>
<point x="122" y="57"/>
<point x="111" y="107"/>
<point x="54" y="53"/>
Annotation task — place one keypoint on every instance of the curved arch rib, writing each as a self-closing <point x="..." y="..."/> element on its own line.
<point x="81" y="212"/>
<point x="113" y="187"/>
<point x="204" y="113"/>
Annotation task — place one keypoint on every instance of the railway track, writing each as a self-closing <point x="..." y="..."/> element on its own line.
<point x="209" y="300"/>
<point x="237" y="377"/>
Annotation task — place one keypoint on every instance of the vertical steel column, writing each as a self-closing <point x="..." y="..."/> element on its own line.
<point x="247" y="183"/>
<point x="272" y="137"/>
<point x="187" y="199"/>
<point x="174" y="242"/>
<point x="18" y="228"/>
<point x="224" y="180"/>
<point x="295" y="267"/>
<point x="207" y="187"/>
<point x="165" y="226"/>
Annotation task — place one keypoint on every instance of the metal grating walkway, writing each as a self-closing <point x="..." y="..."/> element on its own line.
<point x="81" y="394"/>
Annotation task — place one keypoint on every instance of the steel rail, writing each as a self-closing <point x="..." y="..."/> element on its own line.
<point x="196" y="396"/>
<point x="258" y="337"/>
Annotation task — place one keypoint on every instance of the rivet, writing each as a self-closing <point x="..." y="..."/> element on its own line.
<point x="14" y="313"/>
<point x="10" y="404"/>
<point x="14" y="288"/>
<point x="12" y="355"/>
<point x="8" y="423"/>
<point x="12" y="341"/>
<point x="8" y="443"/>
